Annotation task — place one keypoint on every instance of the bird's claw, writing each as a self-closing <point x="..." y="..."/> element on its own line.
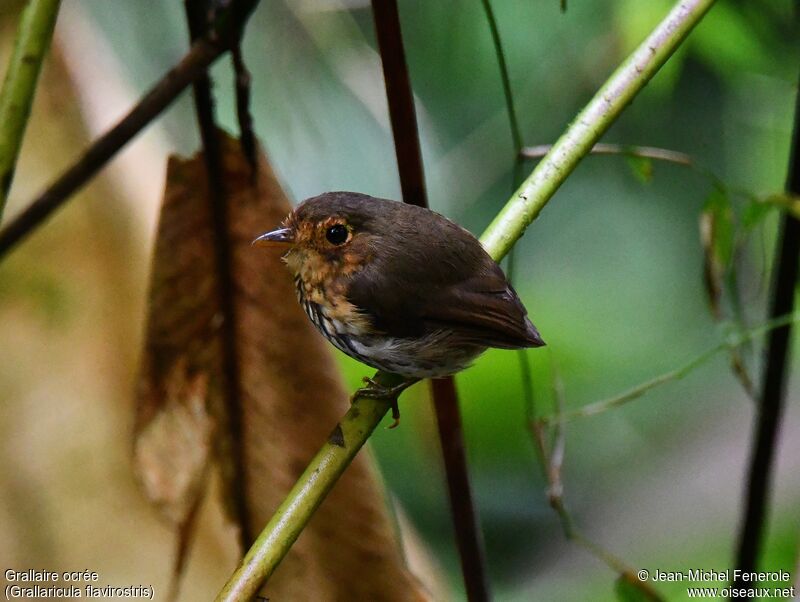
<point x="375" y="390"/>
<point x="372" y="383"/>
<point x="395" y="416"/>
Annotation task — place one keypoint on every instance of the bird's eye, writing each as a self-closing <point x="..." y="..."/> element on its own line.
<point x="337" y="234"/>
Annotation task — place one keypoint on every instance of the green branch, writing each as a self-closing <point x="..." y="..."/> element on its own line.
<point x="19" y="87"/>
<point x="590" y="125"/>
<point x="307" y="494"/>
<point x="359" y="422"/>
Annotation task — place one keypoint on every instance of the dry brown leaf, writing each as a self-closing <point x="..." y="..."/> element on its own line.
<point x="290" y="389"/>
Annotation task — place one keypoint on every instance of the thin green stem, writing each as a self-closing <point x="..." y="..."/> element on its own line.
<point x="33" y="40"/>
<point x="739" y="338"/>
<point x="590" y="125"/>
<point x="513" y="122"/>
<point x="552" y="459"/>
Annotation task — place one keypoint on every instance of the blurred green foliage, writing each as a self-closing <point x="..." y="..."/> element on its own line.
<point x="611" y="273"/>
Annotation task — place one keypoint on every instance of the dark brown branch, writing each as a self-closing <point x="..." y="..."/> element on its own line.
<point x="197" y="15"/>
<point x="412" y="182"/>
<point x="193" y="65"/>
<point x="468" y="535"/>
<point x="401" y="102"/>
<point x="776" y="369"/>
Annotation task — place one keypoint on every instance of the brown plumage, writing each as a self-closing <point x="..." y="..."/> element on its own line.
<point x="399" y="287"/>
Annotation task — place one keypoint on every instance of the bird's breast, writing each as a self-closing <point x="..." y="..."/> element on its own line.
<point x="330" y="311"/>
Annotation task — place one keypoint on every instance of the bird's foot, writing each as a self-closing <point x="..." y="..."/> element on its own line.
<point x="375" y="390"/>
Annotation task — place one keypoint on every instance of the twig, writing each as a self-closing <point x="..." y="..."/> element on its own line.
<point x="552" y="458"/>
<point x="197" y="13"/>
<point x="559" y="439"/>
<point x="739" y="338"/>
<point x="508" y="97"/>
<point x="16" y="98"/>
<point x="307" y="494"/>
<point x="601" y="148"/>
<point x="776" y="369"/>
<point x="314" y="484"/>
<point x="193" y="65"/>
<point x="591" y="124"/>
<point x="403" y="118"/>
<point x="246" y="135"/>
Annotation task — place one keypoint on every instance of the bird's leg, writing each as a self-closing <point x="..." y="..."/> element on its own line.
<point x="375" y="390"/>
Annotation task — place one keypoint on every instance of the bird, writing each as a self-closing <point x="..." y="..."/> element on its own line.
<point x="398" y="287"/>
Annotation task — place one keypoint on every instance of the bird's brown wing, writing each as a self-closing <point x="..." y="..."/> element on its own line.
<point x="439" y="290"/>
<point x="483" y="310"/>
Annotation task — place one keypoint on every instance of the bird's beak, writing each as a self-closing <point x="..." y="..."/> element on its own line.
<point x="282" y="237"/>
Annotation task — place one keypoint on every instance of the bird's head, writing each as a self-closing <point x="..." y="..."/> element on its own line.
<point x="333" y="231"/>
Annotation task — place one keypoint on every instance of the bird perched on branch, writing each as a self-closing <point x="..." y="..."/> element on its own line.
<point x="398" y="287"/>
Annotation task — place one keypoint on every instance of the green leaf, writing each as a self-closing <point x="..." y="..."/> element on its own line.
<point x="642" y="168"/>
<point x="628" y="588"/>
<point x="717" y="228"/>
<point x="754" y="213"/>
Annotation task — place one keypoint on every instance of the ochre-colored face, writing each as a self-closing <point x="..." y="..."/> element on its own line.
<point x="318" y="249"/>
<point x="324" y="235"/>
<point x="327" y="236"/>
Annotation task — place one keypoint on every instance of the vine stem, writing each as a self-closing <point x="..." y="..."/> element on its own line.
<point x="365" y="414"/>
<point x="16" y="98"/>
<point x="590" y="125"/>
<point x="780" y="323"/>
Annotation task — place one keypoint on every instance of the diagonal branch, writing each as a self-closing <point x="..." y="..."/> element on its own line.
<point x="445" y="397"/>
<point x="776" y="371"/>
<point x="591" y="124"/>
<point x="33" y="39"/>
<point x="359" y="422"/>
<point x="227" y="29"/>
<point x="307" y="494"/>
